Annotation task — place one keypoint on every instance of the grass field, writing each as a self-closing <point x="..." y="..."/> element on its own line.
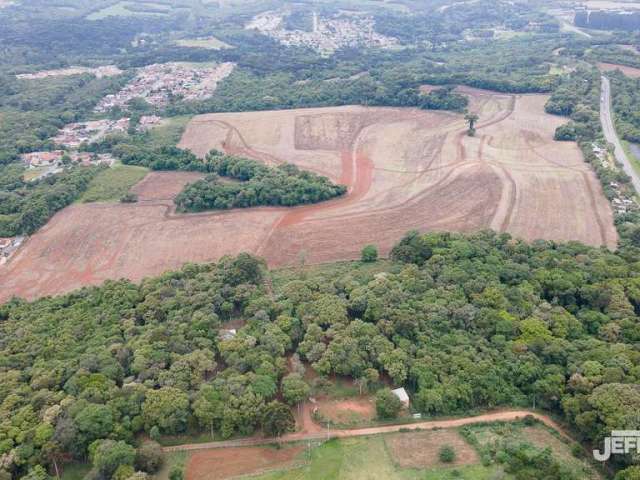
<point x="120" y="10"/>
<point x="538" y="436"/>
<point x="633" y="154"/>
<point x="369" y="459"/>
<point x="111" y="184"/>
<point x="169" y="132"/>
<point x="33" y="173"/>
<point x="210" y="43"/>
<point x="171" y="460"/>
<point x="75" y="471"/>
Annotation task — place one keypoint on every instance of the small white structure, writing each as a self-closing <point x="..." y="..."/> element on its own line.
<point x="228" y="334"/>
<point x="401" y="393"/>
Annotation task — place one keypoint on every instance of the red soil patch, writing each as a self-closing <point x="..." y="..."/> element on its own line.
<point x="405" y="169"/>
<point x="223" y="463"/>
<point x="349" y="411"/>
<point x="628" y="71"/>
<point x="163" y="185"/>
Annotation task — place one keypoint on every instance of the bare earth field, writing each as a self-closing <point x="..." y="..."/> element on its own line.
<point x="235" y="462"/>
<point x="421" y="450"/>
<point x="405" y="169"/>
<point x="628" y="71"/>
<point x="348" y="411"/>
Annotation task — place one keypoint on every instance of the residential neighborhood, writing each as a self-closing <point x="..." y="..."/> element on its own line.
<point x="158" y="84"/>
<point x="147" y="122"/>
<point x="99" y="72"/>
<point x="622" y="202"/>
<point x="327" y="34"/>
<point x="75" y="134"/>
<point x="43" y="164"/>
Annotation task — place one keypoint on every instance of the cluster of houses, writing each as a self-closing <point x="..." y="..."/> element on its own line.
<point x="54" y="161"/>
<point x="9" y="246"/>
<point x="158" y="84"/>
<point x="147" y="122"/>
<point x="75" y="134"/>
<point x="99" y="72"/>
<point x="621" y="202"/>
<point x="327" y="34"/>
<point x="42" y="159"/>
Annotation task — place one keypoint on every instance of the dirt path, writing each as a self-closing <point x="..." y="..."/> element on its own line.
<point x="498" y="416"/>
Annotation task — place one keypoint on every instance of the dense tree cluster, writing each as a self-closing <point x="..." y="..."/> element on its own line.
<point x="442" y="23"/>
<point x="625" y="97"/>
<point x="256" y="184"/>
<point x="27" y="206"/>
<point x="32" y="111"/>
<point x="611" y="52"/>
<point x="162" y="158"/>
<point x="471" y="322"/>
<point x="608" y="20"/>
<point x="577" y="97"/>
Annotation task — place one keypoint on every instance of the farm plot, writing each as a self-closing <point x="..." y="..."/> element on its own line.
<point x="409" y="169"/>
<point x="628" y="71"/>
<point x="227" y="463"/>
<point x="421" y="450"/>
<point x="405" y="169"/>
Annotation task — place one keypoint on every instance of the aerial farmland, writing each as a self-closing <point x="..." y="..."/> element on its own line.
<point x="406" y="169"/>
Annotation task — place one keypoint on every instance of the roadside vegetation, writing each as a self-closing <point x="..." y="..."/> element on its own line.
<point x="578" y="97"/>
<point x="625" y="98"/>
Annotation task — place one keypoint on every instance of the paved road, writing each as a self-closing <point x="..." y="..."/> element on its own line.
<point x="606" y="118"/>
<point x="502" y="415"/>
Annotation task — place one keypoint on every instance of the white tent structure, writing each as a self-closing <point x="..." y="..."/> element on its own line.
<point x="401" y="393"/>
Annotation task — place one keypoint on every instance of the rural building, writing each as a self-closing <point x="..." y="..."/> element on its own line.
<point x="148" y="121"/>
<point x="42" y="159"/>
<point x="228" y="334"/>
<point x="402" y="394"/>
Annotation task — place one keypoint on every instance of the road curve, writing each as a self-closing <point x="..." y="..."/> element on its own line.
<point x="606" y="118"/>
<point x="498" y="416"/>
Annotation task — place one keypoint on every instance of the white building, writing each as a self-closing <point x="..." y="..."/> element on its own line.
<point x="402" y="394"/>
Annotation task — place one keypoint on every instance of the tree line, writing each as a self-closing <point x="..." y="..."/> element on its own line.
<point x="27" y="206"/>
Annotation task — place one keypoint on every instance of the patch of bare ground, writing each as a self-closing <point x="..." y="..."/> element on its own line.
<point x="224" y="463"/>
<point x="405" y="169"/>
<point x="163" y="185"/>
<point x="421" y="450"/>
<point x="628" y="71"/>
<point x="349" y="411"/>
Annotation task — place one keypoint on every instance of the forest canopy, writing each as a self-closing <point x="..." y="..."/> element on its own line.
<point x="463" y="322"/>
<point x="255" y="184"/>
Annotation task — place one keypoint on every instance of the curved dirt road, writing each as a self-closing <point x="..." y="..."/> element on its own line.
<point x="499" y="416"/>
